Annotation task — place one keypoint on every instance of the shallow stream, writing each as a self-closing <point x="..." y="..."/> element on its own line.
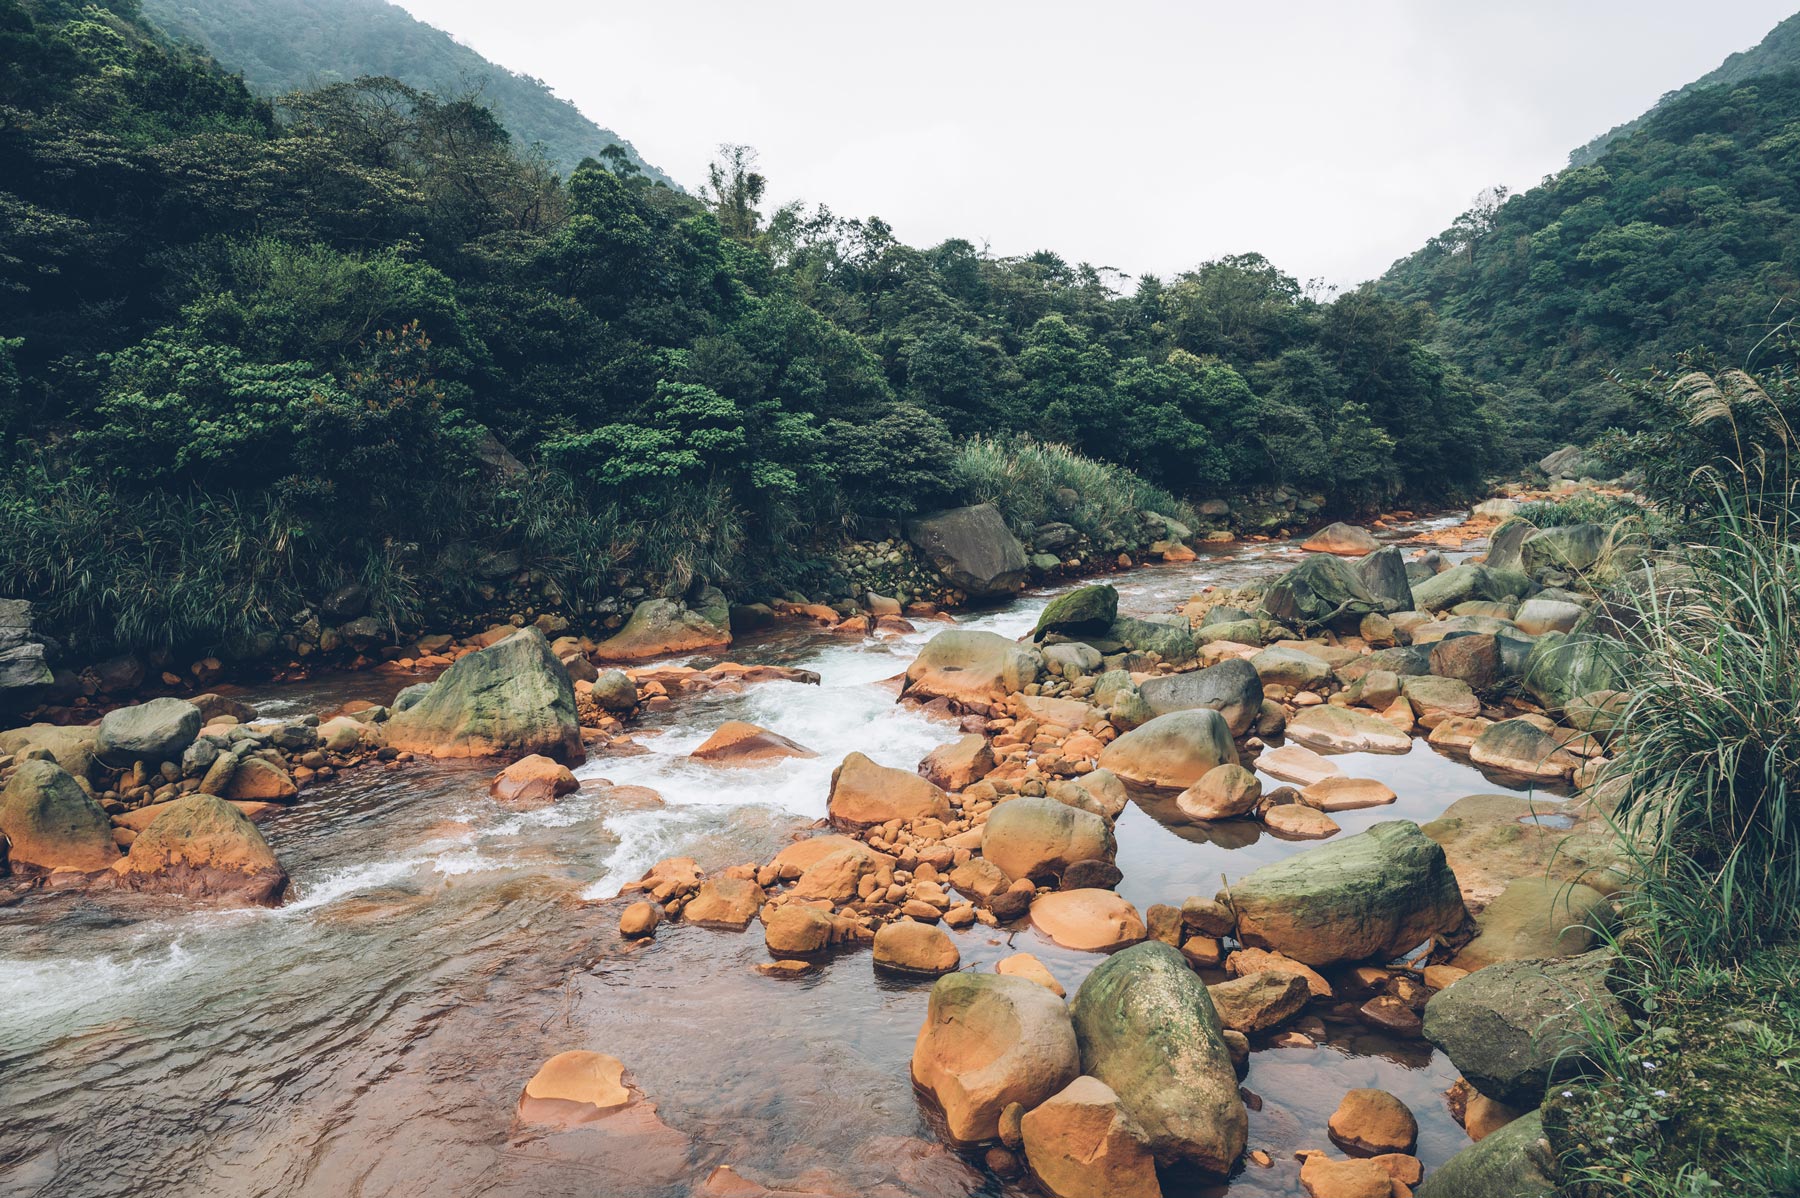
<point x="371" y="1037"/>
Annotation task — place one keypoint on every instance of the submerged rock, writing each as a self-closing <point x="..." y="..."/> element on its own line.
<point x="1147" y="1028"/>
<point x="204" y="847"/>
<point x="511" y="697"/>
<point x="1373" y="895"/>
<point x="990" y="1040"/>
<point x="574" y="1087"/>
<point x="50" y="822"/>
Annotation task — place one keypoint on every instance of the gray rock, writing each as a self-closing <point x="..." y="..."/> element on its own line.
<point x="1516" y="1026"/>
<point x="1384" y="574"/>
<point x="614" y="691"/>
<point x="1232" y="688"/>
<point x="154" y="732"/>
<point x="1563" y="667"/>
<point x="1569" y="547"/>
<point x="1147" y="1028"/>
<point x="24" y="657"/>
<point x="1320" y="591"/>
<point x="1503" y="546"/>
<point x="1461" y="584"/>
<point x="972" y="549"/>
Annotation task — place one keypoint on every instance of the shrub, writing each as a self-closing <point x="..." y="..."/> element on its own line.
<point x="1022" y="478"/>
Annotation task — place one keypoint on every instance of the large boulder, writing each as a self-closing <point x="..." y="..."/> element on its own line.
<point x="1571" y="547"/>
<point x="1516" y="1026"/>
<point x="971" y="668"/>
<point x="513" y="697"/>
<point x="151" y="732"/>
<point x="1383" y="572"/>
<point x="50" y="822"/>
<point x="1504" y="546"/>
<point x="1173" y="751"/>
<point x="1080" y="612"/>
<point x="1232" y="688"/>
<point x="1080" y="1143"/>
<point x="972" y="549"/>
<point x="1563" y="667"/>
<point x="990" y="1040"/>
<point x="1538" y="917"/>
<point x="1040" y="837"/>
<point x="1295" y="668"/>
<point x="1514" y="1162"/>
<point x="1371" y="896"/>
<point x="1345" y="540"/>
<point x="1319" y="591"/>
<point x="662" y="627"/>
<point x="1521" y="748"/>
<point x="204" y="847"/>
<point x="1467" y="583"/>
<point x="864" y="793"/>
<point x="1147" y="1028"/>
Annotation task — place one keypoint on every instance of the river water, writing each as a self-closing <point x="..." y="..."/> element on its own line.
<point x="371" y="1037"/>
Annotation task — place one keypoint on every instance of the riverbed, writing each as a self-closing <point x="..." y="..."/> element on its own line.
<point x="371" y="1036"/>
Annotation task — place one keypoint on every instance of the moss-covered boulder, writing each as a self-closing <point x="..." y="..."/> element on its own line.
<point x="1570" y="547"/>
<point x="1515" y="1027"/>
<point x="1319" y="591"/>
<point x="203" y="847"/>
<point x="1147" y="1028"/>
<point x="513" y="697"/>
<point x="1080" y="612"/>
<point x="1371" y="896"/>
<point x="660" y="627"/>
<point x="1514" y="1162"/>
<point x="1468" y="583"/>
<point x="50" y="822"/>
<point x="1538" y="917"/>
<point x="1562" y="667"/>
<point x="1170" y="639"/>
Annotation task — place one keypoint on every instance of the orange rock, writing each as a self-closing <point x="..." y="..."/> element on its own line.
<point x="532" y="780"/>
<point x="739" y="743"/>
<point x="1373" y="1121"/>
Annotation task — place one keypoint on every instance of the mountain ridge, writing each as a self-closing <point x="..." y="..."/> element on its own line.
<point x="286" y="45"/>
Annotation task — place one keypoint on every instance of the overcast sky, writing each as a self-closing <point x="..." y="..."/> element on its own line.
<point x="1333" y="137"/>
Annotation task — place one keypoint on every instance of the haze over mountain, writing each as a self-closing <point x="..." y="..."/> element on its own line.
<point x="283" y="45"/>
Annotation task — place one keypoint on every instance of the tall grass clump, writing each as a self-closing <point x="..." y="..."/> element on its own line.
<point x="1029" y="481"/>
<point x="1710" y="737"/>
<point x="1581" y="507"/>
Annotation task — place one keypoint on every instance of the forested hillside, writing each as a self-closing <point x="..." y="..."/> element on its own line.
<point x="1684" y="236"/>
<point x="285" y="45"/>
<point x="1776" y="53"/>
<point x="252" y="353"/>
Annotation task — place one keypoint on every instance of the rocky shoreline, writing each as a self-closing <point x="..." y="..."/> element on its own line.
<point x="1011" y="826"/>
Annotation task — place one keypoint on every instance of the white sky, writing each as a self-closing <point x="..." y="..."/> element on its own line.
<point x="1149" y="136"/>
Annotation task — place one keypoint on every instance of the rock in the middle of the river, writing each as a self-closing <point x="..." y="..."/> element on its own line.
<point x="511" y="697"/>
<point x="1148" y="1029"/>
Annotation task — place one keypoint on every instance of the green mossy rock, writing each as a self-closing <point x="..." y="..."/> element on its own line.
<point x="1514" y="1162"/>
<point x="51" y="823"/>
<point x="1089" y="609"/>
<point x="1371" y="896"/>
<point x="1319" y="591"/>
<point x="1147" y="1028"/>
<point x="1563" y="667"/>
<point x="512" y="697"/>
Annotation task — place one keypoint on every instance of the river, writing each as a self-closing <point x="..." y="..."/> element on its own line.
<point x="371" y="1037"/>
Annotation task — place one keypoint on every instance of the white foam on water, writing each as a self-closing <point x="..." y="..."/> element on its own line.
<point x="65" y="991"/>
<point x="645" y="837"/>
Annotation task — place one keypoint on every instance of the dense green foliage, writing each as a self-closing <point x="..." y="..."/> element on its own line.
<point x="284" y="45"/>
<point x="1684" y="235"/>
<point x="356" y="335"/>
